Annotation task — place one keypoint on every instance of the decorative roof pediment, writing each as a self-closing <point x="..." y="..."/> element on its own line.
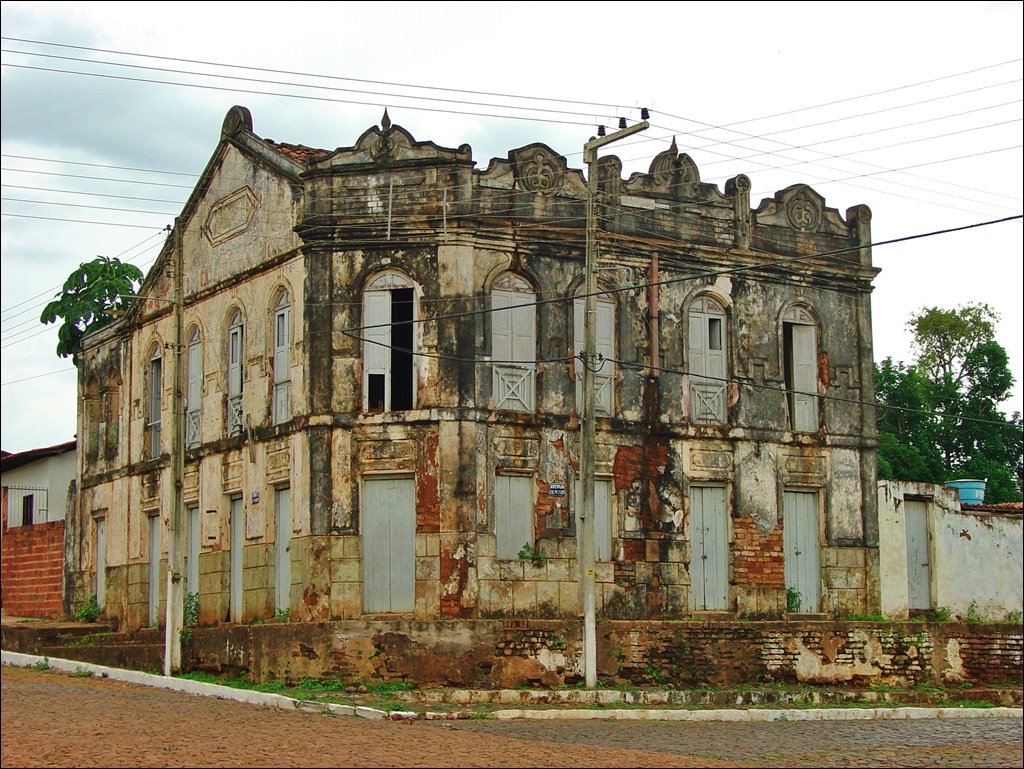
<point x="800" y="208"/>
<point x="389" y="144"/>
<point x="538" y="169"/>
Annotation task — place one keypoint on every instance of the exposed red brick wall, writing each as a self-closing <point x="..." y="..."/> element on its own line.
<point x="758" y="561"/>
<point x="33" y="570"/>
<point x="428" y="498"/>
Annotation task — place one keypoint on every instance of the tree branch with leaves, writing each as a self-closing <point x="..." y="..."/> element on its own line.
<point x="94" y="294"/>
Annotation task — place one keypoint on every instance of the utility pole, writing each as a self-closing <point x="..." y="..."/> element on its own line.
<point x="175" y="561"/>
<point x="585" y="532"/>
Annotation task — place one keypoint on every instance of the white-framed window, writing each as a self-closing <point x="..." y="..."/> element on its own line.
<point x="513" y="514"/>
<point x="513" y="342"/>
<point x="800" y="367"/>
<point x="154" y="392"/>
<point x="193" y="390"/>
<point x="389" y="311"/>
<point x="708" y="366"/>
<point x="236" y="352"/>
<point x="604" y="366"/>
<point x="282" y="358"/>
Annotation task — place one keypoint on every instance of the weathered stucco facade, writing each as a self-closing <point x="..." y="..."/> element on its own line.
<point x="939" y="556"/>
<point x="381" y="371"/>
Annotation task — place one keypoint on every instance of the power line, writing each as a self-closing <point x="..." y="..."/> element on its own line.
<point x="37" y="376"/>
<point x="320" y="76"/>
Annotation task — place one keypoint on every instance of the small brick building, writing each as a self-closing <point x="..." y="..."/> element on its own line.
<point x="35" y="488"/>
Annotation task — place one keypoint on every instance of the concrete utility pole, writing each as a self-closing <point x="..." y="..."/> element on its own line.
<point x="585" y="532"/>
<point x="175" y="561"/>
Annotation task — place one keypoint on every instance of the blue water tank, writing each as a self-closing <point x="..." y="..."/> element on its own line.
<point x="972" y="491"/>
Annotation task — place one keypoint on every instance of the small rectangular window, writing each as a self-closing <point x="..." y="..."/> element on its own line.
<point x="28" y="503"/>
<point x="714" y="333"/>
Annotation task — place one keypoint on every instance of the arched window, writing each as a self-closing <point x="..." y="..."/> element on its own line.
<point x="193" y="391"/>
<point x="707" y="366"/>
<point x="154" y="390"/>
<point x="800" y="367"/>
<point x="236" y="353"/>
<point x="604" y="366"/>
<point x="388" y="343"/>
<point x="282" y="358"/>
<point x="513" y="342"/>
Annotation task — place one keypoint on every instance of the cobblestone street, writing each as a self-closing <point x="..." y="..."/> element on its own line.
<point x="51" y="718"/>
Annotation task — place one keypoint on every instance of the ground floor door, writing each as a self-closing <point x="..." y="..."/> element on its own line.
<point x="802" y="553"/>
<point x="709" y="549"/>
<point x="389" y="545"/>
<point x="919" y="592"/>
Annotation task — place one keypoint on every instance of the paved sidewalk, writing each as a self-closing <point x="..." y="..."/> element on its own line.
<point x="555" y="711"/>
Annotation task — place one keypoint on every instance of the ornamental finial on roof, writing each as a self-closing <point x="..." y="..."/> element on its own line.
<point x="673" y="148"/>
<point x="385" y="122"/>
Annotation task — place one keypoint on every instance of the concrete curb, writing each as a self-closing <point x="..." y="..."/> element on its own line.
<point x="266" y="699"/>
<point x="199" y="688"/>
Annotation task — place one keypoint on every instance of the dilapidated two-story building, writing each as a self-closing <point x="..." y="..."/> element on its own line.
<point x="382" y="379"/>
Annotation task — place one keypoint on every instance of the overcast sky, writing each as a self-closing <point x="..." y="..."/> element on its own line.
<point x="913" y="109"/>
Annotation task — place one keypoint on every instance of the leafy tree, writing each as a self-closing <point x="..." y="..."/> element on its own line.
<point x="94" y="293"/>
<point x="951" y="425"/>
<point x="907" y="449"/>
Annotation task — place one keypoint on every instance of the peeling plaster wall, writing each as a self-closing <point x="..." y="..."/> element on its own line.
<point x="976" y="557"/>
<point x="325" y="223"/>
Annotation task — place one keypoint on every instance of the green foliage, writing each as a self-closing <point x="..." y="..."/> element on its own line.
<point x="190" y="618"/>
<point x="556" y="641"/>
<point x="82" y="673"/>
<point x="940" y="614"/>
<point x="191" y="615"/>
<point x="89" y="612"/>
<point x="863" y="618"/>
<point x="235" y="683"/>
<point x="282" y="615"/>
<point x="92" y="296"/>
<point x="963" y="372"/>
<point x="1015" y="617"/>
<point x="386" y="687"/>
<point x="531" y="553"/>
<point x="315" y="685"/>
<point x="973" y="616"/>
<point x="793" y="599"/>
<point x="43" y="664"/>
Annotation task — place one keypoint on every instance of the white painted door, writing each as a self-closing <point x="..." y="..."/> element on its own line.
<point x="101" y="562"/>
<point x="800" y="546"/>
<point x="154" y="570"/>
<point x="389" y="545"/>
<point x="919" y="592"/>
<point x="602" y="517"/>
<point x="709" y="549"/>
<point x="237" y="524"/>
<point x="192" y="557"/>
<point x="513" y="514"/>
<point x="282" y="548"/>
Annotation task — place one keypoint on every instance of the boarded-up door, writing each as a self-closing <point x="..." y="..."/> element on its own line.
<point x="602" y="517"/>
<point x="800" y="545"/>
<point x="513" y="514"/>
<point x="709" y="549"/>
<point x="154" y="570"/>
<point x="389" y="545"/>
<point x="101" y="561"/>
<point x="282" y="548"/>
<point x="919" y="593"/>
<point x="237" y="543"/>
<point x="192" y="559"/>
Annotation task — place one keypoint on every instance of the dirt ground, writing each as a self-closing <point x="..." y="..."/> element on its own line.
<point x="52" y="718"/>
